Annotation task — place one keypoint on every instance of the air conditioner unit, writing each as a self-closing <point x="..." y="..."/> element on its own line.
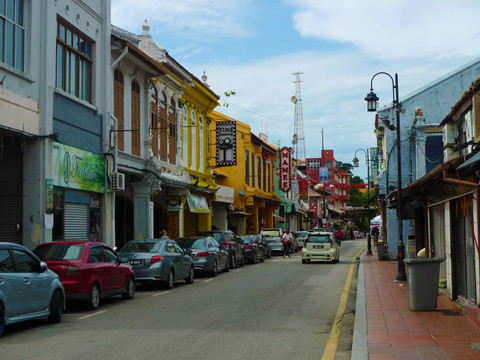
<point x="117" y="181"/>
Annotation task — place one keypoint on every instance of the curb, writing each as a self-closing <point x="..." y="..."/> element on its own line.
<point x="360" y="339"/>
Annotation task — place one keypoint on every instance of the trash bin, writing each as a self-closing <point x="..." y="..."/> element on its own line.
<point x="381" y="251"/>
<point x="423" y="274"/>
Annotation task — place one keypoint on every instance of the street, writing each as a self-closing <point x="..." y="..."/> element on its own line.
<point x="279" y="309"/>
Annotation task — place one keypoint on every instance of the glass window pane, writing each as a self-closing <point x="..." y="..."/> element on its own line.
<point x="60" y="66"/>
<point x="19" y="48"/>
<point x="9" y="33"/>
<point x="69" y="37"/>
<point x="89" y="50"/>
<point x="19" y="13"/>
<point x="2" y="7"/>
<point x="62" y="34"/>
<point x="75" y="42"/>
<point x="72" y="82"/>
<point x="86" y="81"/>
<point x="10" y="11"/>
<point x="2" y="26"/>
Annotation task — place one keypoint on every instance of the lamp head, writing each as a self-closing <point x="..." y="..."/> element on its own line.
<point x="355" y="162"/>
<point x="371" y="100"/>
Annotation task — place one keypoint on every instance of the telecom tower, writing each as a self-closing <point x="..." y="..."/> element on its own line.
<point x="298" y="140"/>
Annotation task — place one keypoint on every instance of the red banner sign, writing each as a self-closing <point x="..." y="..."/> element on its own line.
<point x="285" y="182"/>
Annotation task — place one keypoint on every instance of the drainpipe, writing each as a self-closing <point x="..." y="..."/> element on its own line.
<point x="122" y="55"/>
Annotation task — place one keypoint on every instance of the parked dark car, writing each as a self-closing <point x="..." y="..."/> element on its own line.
<point x="207" y="254"/>
<point x="267" y="250"/>
<point x="158" y="261"/>
<point x="88" y="270"/>
<point x="28" y="290"/>
<point x="228" y="239"/>
<point x="252" y="248"/>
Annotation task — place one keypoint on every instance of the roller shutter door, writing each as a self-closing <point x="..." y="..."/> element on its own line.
<point x="76" y="221"/>
<point x="11" y="214"/>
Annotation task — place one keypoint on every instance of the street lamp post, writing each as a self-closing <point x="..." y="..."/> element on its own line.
<point x="372" y="99"/>
<point x="355" y="164"/>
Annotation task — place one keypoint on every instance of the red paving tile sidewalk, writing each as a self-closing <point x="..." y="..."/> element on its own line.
<point x="396" y="332"/>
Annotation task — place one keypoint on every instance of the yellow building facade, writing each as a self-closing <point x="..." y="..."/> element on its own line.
<point x="254" y="198"/>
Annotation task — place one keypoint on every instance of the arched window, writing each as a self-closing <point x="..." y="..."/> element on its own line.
<point x="184" y="124"/>
<point x="172" y="132"/>
<point x="201" y="145"/>
<point x="163" y="126"/>
<point x="193" y="144"/>
<point x="135" y="102"/>
<point x="118" y="106"/>
<point x="154" y="120"/>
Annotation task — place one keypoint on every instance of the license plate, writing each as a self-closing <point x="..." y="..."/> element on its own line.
<point x="318" y="247"/>
<point x="135" y="262"/>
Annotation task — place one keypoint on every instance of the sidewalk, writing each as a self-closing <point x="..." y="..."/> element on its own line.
<point x="385" y="327"/>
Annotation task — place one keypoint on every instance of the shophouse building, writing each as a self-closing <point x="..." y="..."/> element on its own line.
<point x="54" y="71"/>
<point x="249" y="172"/>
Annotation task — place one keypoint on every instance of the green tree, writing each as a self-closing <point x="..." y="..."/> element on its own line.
<point x="344" y="166"/>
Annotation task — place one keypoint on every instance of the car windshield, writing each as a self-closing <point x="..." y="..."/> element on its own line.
<point x="59" y="252"/>
<point x="246" y="239"/>
<point x="271" y="233"/>
<point x="192" y="243"/>
<point x="302" y="233"/>
<point x="142" y="246"/>
<point x="319" y="238"/>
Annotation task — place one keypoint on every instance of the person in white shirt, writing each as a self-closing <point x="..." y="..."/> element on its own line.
<point x="287" y="238"/>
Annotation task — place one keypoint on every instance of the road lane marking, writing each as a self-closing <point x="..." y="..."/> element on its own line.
<point x="160" y="293"/>
<point x="92" y="314"/>
<point x="332" y="342"/>
<point x="208" y="280"/>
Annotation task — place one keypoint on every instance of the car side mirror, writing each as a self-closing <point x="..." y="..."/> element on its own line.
<point x="42" y="266"/>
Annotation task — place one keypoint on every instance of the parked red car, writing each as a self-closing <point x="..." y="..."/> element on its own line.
<point x="88" y="270"/>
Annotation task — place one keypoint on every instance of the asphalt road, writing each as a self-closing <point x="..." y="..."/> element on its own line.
<point x="279" y="309"/>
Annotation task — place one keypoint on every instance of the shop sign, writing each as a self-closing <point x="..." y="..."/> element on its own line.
<point x="74" y="168"/>
<point x="323" y="174"/>
<point x="225" y="194"/>
<point x="226" y="142"/>
<point x="197" y="204"/>
<point x="285" y="169"/>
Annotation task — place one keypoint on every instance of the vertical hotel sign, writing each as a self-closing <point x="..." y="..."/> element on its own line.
<point x="226" y="142"/>
<point x="285" y="169"/>
<point x="78" y="169"/>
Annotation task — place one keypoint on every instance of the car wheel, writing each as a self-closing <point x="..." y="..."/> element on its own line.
<point x="262" y="259"/>
<point x="55" y="308"/>
<point x="129" y="290"/>
<point x="191" y="276"/>
<point x="94" y="297"/>
<point x="242" y="263"/>
<point x="227" y="266"/>
<point x="233" y="262"/>
<point x="2" y="320"/>
<point x="215" y="269"/>
<point x="254" y="258"/>
<point x="304" y="261"/>
<point x="170" y="280"/>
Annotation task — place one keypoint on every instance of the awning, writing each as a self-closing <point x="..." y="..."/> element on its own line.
<point x="279" y="218"/>
<point x="470" y="162"/>
<point x="197" y="204"/>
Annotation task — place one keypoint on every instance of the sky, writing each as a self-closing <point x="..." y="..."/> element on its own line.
<point x="254" y="47"/>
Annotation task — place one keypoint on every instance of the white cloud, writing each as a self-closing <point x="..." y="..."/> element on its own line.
<point x="193" y="18"/>
<point x="396" y="28"/>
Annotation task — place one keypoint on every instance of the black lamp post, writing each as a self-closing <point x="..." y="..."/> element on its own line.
<point x="371" y="100"/>
<point x="355" y="164"/>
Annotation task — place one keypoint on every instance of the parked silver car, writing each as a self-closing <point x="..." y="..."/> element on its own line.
<point x="273" y="237"/>
<point x="207" y="254"/>
<point x="158" y="260"/>
<point x="28" y="289"/>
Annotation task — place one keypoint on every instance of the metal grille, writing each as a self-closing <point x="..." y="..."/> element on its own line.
<point x="76" y="221"/>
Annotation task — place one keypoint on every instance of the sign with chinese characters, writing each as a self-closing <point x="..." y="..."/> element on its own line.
<point x="285" y="182"/>
<point x="226" y="138"/>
